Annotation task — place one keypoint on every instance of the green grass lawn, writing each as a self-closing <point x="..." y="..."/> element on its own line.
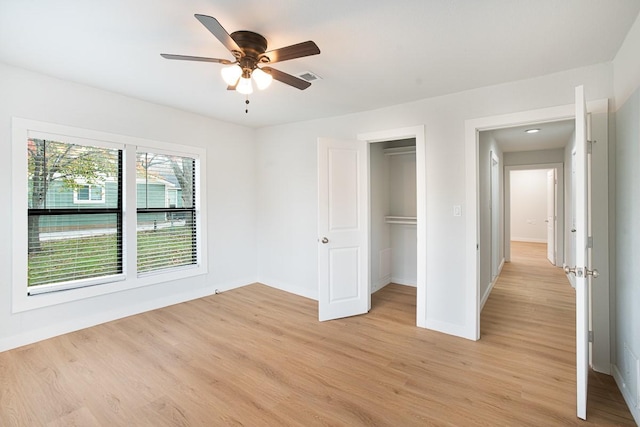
<point x="87" y="257"/>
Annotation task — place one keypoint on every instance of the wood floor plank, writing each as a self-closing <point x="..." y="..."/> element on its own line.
<point x="256" y="356"/>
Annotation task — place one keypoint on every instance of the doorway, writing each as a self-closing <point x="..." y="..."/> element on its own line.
<point x="535" y="208"/>
<point x="393" y="216"/>
<point x="393" y="140"/>
<point x="599" y="123"/>
<point x="344" y="255"/>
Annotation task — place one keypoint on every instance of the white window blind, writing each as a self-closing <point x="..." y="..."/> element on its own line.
<point x="70" y="242"/>
<point x="166" y="214"/>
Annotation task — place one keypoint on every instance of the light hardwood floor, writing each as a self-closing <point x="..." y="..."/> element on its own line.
<point x="257" y="356"/>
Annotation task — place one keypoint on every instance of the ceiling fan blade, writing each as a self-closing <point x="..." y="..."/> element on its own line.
<point x="294" y="51"/>
<point x="287" y="78"/>
<point x="195" y="58"/>
<point x="234" y="86"/>
<point x="217" y="30"/>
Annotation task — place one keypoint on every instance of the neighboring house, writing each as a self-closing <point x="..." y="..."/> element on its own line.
<point x="154" y="192"/>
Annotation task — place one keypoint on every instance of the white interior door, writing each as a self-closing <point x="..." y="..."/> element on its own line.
<point x="582" y="254"/>
<point x="343" y="229"/>
<point x="551" y="216"/>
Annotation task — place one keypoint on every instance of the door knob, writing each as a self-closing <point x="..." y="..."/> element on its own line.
<point x="579" y="271"/>
<point x="325" y="240"/>
<point x="593" y="273"/>
<point x="573" y="230"/>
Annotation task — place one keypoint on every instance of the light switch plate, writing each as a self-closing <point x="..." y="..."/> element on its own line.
<point x="457" y="210"/>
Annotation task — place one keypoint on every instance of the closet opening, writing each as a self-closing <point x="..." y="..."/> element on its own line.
<point x="393" y="217"/>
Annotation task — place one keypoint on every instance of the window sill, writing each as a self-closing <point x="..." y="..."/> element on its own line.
<point x="26" y="302"/>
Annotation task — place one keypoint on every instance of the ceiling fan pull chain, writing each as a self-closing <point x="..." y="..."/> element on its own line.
<point x="247" y="102"/>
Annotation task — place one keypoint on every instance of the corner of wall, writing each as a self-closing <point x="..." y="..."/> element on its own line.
<point x="626" y="66"/>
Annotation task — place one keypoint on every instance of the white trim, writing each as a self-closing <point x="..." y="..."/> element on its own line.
<point x="296" y="290"/>
<point x="485" y="297"/>
<point x="403" y="282"/>
<point x="22" y="129"/>
<point x="90" y="201"/>
<point x="416" y="132"/>
<point x="55" y="328"/>
<point x="634" y="407"/>
<point x="527" y="239"/>
<point x="67" y="134"/>
<point x="472" y="128"/>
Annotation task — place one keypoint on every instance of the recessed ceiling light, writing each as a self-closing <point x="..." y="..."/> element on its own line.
<point x="536" y="130"/>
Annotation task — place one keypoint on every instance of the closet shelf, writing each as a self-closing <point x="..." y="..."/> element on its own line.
<point x="394" y="151"/>
<point x="411" y="220"/>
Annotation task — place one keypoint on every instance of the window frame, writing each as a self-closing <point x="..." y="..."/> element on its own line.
<point x="166" y="210"/>
<point x="89" y="201"/>
<point x="22" y="129"/>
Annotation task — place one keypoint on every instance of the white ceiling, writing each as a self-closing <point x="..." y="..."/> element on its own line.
<point x="375" y="53"/>
<point x="552" y="135"/>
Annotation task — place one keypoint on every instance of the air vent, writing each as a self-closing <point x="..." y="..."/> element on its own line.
<point x="309" y="76"/>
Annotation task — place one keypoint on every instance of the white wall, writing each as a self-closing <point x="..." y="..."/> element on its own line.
<point x="626" y="247"/>
<point x="230" y="192"/>
<point x="529" y="205"/>
<point x="628" y="243"/>
<point x="626" y="66"/>
<point x="402" y="187"/>
<point x="537" y="157"/>
<point x="392" y="192"/>
<point x="287" y="182"/>
<point x="487" y="145"/>
<point x="381" y="252"/>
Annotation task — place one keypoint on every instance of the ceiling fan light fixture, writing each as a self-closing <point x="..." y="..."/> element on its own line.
<point x="231" y="74"/>
<point x="244" y="86"/>
<point x="262" y="78"/>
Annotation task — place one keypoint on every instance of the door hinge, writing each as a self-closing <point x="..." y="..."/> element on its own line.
<point x="590" y="336"/>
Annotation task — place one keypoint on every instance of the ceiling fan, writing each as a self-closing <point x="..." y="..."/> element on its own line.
<point x="251" y="57"/>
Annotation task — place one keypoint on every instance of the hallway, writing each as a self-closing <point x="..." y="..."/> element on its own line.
<point x="531" y="312"/>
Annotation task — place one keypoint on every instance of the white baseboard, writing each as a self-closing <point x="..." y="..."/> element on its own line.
<point x="461" y="331"/>
<point x="375" y="287"/>
<point x="307" y="293"/>
<point x="405" y="282"/>
<point x="528" y="239"/>
<point x="633" y="407"/>
<point x="485" y="297"/>
<point x="56" y="329"/>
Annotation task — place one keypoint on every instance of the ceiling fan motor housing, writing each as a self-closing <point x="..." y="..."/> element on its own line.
<point x="253" y="46"/>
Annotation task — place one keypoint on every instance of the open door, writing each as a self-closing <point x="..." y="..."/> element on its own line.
<point x="343" y="229"/>
<point x="583" y="270"/>
<point x="551" y="216"/>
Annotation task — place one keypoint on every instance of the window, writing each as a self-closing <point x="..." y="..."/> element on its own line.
<point x="88" y="193"/>
<point x="67" y="243"/>
<point x="166" y="220"/>
<point x="72" y="228"/>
